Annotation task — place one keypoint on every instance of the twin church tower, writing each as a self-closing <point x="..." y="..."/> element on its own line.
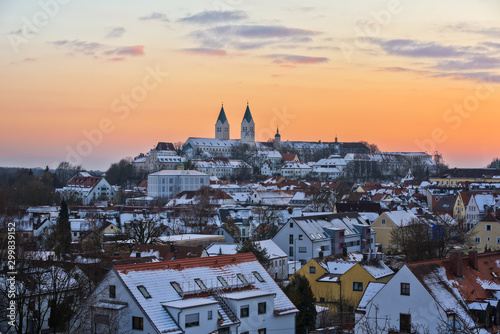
<point x="247" y="127"/>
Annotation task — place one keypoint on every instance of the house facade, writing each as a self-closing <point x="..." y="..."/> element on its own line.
<point x="168" y="183"/>
<point x="224" y="294"/>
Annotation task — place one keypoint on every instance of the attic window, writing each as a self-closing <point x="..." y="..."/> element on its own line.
<point x="312" y="236"/>
<point x="144" y="292"/>
<point x="200" y="283"/>
<point x="258" y="277"/>
<point x="242" y="278"/>
<point x="222" y="281"/>
<point x="176" y="287"/>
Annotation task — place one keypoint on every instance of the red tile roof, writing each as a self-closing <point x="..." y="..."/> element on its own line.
<point x="215" y="261"/>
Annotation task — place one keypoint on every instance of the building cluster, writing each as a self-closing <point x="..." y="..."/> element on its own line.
<point x="169" y="259"/>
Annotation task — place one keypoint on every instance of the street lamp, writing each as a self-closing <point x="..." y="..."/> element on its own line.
<point x="295" y="253"/>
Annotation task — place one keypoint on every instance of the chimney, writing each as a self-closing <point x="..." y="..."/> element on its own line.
<point x="456" y="261"/>
<point x="473" y="254"/>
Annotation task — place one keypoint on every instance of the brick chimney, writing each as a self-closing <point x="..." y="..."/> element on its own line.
<point x="456" y="262"/>
<point x="473" y="254"/>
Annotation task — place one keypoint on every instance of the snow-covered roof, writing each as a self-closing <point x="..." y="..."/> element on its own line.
<point x="178" y="173"/>
<point x="157" y="277"/>
<point x="401" y="217"/>
<point x="371" y="290"/>
<point x="377" y="268"/>
<point x="339" y="267"/>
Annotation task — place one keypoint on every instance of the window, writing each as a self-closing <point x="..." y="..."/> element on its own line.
<point x="488" y="239"/>
<point x="200" y="283"/>
<point x="405" y="323"/>
<point x="291" y="225"/>
<point x="302" y="249"/>
<point x="137" y="323"/>
<point x="222" y="281"/>
<point x="261" y="331"/>
<point x="357" y="286"/>
<point x="192" y="320"/>
<point x="321" y="299"/>
<point x="477" y="240"/>
<point x="498" y="241"/>
<point x="383" y="221"/>
<point x="488" y="227"/>
<point x="112" y="291"/>
<point x="144" y="292"/>
<point x="244" y="311"/>
<point x="137" y="254"/>
<point x="290" y="239"/>
<point x="312" y="270"/>
<point x="258" y="277"/>
<point x="262" y="308"/>
<point x="242" y="279"/>
<point x="405" y="289"/>
<point x="290" y="251"/>
<point x="209" y="315"/>
<point x="176" y="287"/>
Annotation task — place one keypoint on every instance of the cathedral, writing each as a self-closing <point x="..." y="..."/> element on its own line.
<point x="222" y="144"/>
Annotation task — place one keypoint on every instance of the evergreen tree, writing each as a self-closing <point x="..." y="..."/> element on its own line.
<point x="300" y="294"/>
<point x="260" y="253"/>
<point x="63" y="231"/>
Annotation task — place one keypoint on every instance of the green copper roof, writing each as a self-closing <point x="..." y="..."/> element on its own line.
<point x="277" y="133"/>
<point x="248" y="115"/>
<point x="222" y="116"/>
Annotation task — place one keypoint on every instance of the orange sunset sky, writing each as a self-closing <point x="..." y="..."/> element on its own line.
<point x="93" y="82"/>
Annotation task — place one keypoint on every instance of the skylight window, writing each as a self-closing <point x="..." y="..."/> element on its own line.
<point x="312" y="236"/>
<point x="319" y="235"/>
<point x="242" y="279"/>
<point x="258" y="277"/>
<point x="144" y="292"/>
<point x="222" y="281"/>
<point x="176" y="287"/>
<point x="200" y="283"/>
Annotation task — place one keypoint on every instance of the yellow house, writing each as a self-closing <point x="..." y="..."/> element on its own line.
<point x="388" y="222"/>
<point x="461" y="203"/>
<point x="486" y="233"/>
<point x="346" y="281"/>
<point x="455" y="177"/>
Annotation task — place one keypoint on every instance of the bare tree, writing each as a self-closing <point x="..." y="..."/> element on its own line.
<point x="145" y="231"/>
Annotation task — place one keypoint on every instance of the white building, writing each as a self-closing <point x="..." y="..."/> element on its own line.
<point x="317" y="235"/>
<point x="329" y="169"/>
<point x="228" y="294"/>
<point x="277" y="258"/>
<point x="295" y="170"/>
<point x="162" y="157"/>
<point x="88" y="189"/>
<point x="168" y="183"/>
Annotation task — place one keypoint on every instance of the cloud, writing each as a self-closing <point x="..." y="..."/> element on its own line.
<point x="296" y="59"/>
<point x="418" y="49"/>
<point x="115" y="32"/>
<point x="136" y="50"/>
<point x="155" y="16"/>
<point x="473" y="63"/>
<point x="117" y="59"/>
<point x="29" y="59"/>
<point x="491" y="45"/>
<point x="96" y="49"/>
<point x="245" y="37"/>
<point x="206" y="51"/>
<point x="209" y="17"/>
<point x="477" y="76"/>
<point x="472" y="29"/>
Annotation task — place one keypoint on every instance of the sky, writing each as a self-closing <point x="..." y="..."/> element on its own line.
<point x="91" y="82"/>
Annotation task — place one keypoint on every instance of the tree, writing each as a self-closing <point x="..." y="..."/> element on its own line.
<point x="145" y="231"/>
<point x="373" y="147"/>
<point x="300" y="294"/>
<point x="418" y="240"/>
<point x="62" y="231"/>
<point x="494" y="164"/>
<point x="65" y="171"/>
<point x="121" y="173"/>
<point x="253" y="247"/>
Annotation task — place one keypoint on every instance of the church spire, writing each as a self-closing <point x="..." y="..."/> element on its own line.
<point x="248" y="114"/>
<point x="222" y="115"/>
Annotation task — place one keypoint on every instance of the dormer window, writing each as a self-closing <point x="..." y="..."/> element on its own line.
<point x="242" y="279"/>
<point x="176" y="287"/>
<point x="200" y="283"/>
<point x="258" y="277"/>
<point x="222" y="281"/>
<point x="144" y="292"/>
